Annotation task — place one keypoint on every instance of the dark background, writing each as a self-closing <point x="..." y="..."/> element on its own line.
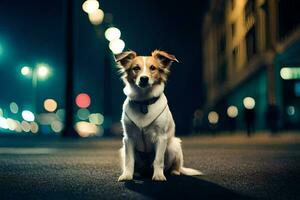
<point x="34" y="31"/>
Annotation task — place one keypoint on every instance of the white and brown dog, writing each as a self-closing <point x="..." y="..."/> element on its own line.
<point x="149" y="129"/>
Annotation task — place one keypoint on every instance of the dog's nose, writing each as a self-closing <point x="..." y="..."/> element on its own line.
<point x="144" y="81"/>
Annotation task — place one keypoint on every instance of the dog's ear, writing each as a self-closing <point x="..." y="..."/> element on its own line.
<point x="164" y="58"/>
<point x="125" y="58"/>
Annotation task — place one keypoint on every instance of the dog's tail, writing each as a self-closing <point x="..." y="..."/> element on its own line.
<point x="189" y="171"/>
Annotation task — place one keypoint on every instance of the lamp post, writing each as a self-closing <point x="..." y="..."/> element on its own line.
<point x="40" y="71"/>
<point x="69" y="93"/>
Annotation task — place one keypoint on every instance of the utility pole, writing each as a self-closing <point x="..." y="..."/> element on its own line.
<point x="69" y="102"/>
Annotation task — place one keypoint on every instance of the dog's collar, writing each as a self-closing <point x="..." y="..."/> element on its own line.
<point x="143" y="105"/>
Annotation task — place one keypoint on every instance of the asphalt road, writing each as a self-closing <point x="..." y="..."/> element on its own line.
<point x="235" y="167"/>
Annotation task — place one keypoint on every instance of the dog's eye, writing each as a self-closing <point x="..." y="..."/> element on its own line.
<point x="136" y="68"/>
<point x="152" y="68"/>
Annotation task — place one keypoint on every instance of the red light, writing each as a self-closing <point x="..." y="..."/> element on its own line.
<point x="83" y="100"/>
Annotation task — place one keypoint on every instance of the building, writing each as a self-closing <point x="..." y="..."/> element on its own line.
<point x="251" y="48"/>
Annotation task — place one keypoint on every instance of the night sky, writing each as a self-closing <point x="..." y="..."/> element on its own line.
<point x="33" y="31"/>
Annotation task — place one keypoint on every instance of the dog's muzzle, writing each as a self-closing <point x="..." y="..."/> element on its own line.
<point x="143" y="81"/>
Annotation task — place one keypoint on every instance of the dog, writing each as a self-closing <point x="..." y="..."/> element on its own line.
<point x="149" y="129"/>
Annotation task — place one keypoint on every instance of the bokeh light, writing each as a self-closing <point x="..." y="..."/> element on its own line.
<point x="46" y="118"/>
<point x="19" y="127"/>
<point x="112" y="33"/>
<point x="96" y="17"/>
<point x="13" y="107"/>
<point x="3" y="123"/>
<point x="25" y="71"/>
<point x="116" y="46"/>
<point x="96" y="118"/>
<point x="57" y="126"/>
<point x="83" y="114"/>
<point x="213" y="117"/>
<point x="28" y="115"/>
<point x="11" y="124"/>
<point x="90" y="6"/>
<point x="249" y="102"/>
<point x="289" y="73"/>
<point x="1" y="112"/>
<point x="290" y="110"/>
<point x="34" y="127"/>
<point x="42" y="70"/>
<point x="50" y="105"/>
<point x="285" y="73"/>
<point x="25" y="126"/>
<point x="232" y="111"/>
<point x="83" y="100"/>
<point x="60" y="114"/>
<point x="86" y="129"/>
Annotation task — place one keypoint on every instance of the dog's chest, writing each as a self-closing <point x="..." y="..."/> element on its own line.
<point x="141" y="120"/>
<point x="145" y="140"/>
<point x="144" y="128"/>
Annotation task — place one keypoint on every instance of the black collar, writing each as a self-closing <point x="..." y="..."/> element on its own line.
<point x="144" y="104"/>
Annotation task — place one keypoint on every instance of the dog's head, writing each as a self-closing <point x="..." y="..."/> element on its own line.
<point x="145" y="71"/>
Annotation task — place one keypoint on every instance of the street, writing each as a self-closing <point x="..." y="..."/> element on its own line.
<point x="235" y="167"/>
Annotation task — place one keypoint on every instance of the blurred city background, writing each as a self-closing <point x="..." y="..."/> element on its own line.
<point x="251" y="65"/>
<point x="60" y="53"/>
<point x="239" y="64"/>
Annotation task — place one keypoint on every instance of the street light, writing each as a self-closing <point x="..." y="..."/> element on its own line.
<point x="40" y="71"/>
<point x="90" y="6"/>
<point x="232" y="111"/>
<point x="112" y="33"/>
<point x="25" y="71"/>
<point x="249" y="103"/>
<point x="213" y="117"/>
<point x="117" y="46"/>
<point x="96" y="17"/>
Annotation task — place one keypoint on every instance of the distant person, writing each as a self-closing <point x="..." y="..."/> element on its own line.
<point x="249" y="118"/>
<point x="273" y="118"/>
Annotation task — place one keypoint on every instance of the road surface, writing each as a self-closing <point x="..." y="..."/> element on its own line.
<point x="235" y="167"/>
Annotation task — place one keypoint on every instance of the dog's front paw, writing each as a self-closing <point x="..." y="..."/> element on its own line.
<point x="125" y="177"/>
<point x="159" y="177"/>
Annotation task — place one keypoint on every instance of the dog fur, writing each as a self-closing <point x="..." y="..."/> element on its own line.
<point x="151" y="133"/>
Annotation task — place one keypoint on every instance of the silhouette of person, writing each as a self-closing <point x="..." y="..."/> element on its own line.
<point x="249" y="118"/>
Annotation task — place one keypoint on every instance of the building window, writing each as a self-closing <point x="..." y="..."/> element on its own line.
<point x="251" y="43"/>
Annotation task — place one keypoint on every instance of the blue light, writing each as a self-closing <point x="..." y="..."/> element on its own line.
<point x="297" y="89"/>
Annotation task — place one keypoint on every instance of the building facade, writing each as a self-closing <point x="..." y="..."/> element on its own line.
<point x="249" y="46"/>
